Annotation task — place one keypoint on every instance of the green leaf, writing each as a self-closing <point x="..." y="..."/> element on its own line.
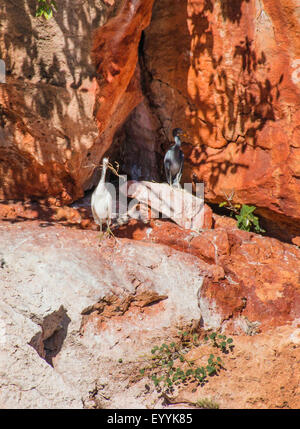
<point x="224" y="203"/>
<point x="247" y="210"/>
<point x="48" y="14"/>
<point x="169" y="381"/>
<point x="200" y="370"/>
<point x="45" y="8"/>
<point x="229" y="340"/>
<point x="210" y="369"/>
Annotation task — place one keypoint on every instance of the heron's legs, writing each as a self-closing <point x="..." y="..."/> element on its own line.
<point x="109" y="232"/>
<point x="100" y="232"/>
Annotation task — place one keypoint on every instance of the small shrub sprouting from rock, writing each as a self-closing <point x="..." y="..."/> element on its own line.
<point x="45" y="8"/>
<point x="170" y="365"/>
<point x="246" y="220"/>
<point x="220" y="341"/>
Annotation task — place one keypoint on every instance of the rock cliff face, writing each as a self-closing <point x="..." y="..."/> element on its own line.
<point x="100" y="77"/>
<point x="47" y="125"/>
<point x="68" y="88"/>
<point x="228" y="72"/>
<point x="114" y="77"/>
<point x="78" y="317"/>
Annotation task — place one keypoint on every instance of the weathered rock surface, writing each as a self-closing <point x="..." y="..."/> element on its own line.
<point x="261" y="275"/>
<point x="228" y="73"/>
<point x="26" y="380"/>
<point x="53" y="281"/>
<point x="68" y="88"/>
<point x="78" y="316"/>
<point x="47" y="131"/>
<point x="247" y="276"/>
<point x="115" y="55"/>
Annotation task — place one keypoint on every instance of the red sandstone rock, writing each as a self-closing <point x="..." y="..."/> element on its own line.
<point x="65" y="296"/>
<point x="251" y="277"/>
<point x="296" y="241"/>
<point x="57" y="119"/>
<point x="260" y="280"/>
<point x="47" y="129"/>
<point x="228" y="73"/>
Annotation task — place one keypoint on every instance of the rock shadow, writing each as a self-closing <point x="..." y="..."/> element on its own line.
<point x="39" y="91"/>
<point x="49" y="341"/>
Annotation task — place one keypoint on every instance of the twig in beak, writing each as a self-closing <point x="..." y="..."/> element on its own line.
<point x="114" y="170"/>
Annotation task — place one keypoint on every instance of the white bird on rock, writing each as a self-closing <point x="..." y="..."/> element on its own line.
<point x="101" y="202"/>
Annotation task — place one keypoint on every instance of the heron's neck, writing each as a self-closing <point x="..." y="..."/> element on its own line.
<point x="102" y="178"/>
<point x="177" y="142"/>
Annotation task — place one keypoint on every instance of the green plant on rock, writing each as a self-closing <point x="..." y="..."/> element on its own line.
<point x="171" y="367"/>
<point x="246" y="220"/>
<point x="46" y="8"/>
<point x="220" y="341"/>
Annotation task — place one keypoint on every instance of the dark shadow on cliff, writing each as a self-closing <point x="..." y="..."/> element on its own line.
<point x="224" y="120"/>
<point x="41" y="88"/>
<point x="230" y="100"/>
<point x="49" y="341"/>
<point x="243" y="102"/>
<point x="232" y="10"/>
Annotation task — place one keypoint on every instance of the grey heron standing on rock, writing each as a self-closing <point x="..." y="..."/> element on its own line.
<point x="101" y="202"/>
<point x="174" y="159"/>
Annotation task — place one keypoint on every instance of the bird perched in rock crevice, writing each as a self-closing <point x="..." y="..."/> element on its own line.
<point x="101" y="202"/>
<point x="174" y="160"/>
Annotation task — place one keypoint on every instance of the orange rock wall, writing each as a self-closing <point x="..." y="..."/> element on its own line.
<point x="228" y="72"/>
<point x="71" y="83"/>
